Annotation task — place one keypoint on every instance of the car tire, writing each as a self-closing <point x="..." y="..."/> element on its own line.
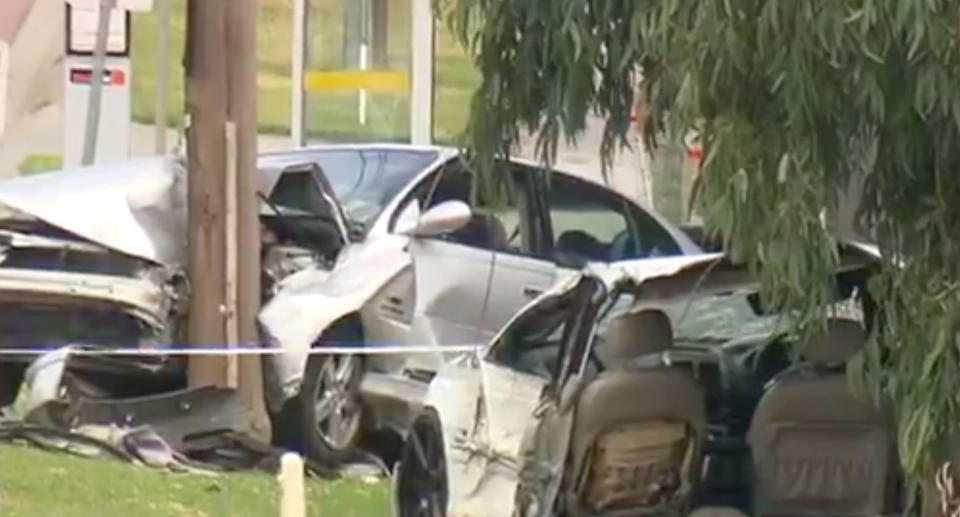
<point x="326" y="418"/>
<point x="421" y="476"/>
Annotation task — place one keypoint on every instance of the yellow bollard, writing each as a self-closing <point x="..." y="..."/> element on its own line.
<point x="292" y="494"/>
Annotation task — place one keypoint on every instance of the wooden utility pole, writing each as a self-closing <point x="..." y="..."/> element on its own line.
<point x="224" y="231"/>
<point x="242" y="111"/>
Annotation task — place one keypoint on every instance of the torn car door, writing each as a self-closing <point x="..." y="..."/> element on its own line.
<point x="518" y="375"/>
<point x="543" y="451"/>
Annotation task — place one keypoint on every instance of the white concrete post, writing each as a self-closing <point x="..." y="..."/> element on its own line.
<point x="421" y="84"/>
<point x="298" y="65"/>
<point x="292" y="493"/>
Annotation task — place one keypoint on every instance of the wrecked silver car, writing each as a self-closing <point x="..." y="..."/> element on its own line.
<point x="363" y="245"/>
<point x="654" y="387"/>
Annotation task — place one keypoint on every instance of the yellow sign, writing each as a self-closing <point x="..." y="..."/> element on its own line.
<point x="354" y="80"/>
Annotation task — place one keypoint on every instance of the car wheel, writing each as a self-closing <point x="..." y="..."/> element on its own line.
<point x="421" y="479"/>
<point x="328" y="413"/>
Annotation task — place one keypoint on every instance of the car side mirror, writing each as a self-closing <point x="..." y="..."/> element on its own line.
<point x="446" y="217"/>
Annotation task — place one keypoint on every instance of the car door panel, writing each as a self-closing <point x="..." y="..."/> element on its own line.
<point x="521" y="272"/>
<point x="387" y="319"/>
<point x="511" y="398"/>
<point x="480" y="478"/>
<point x="517" y="280"/>
<point x="451" y="282"/>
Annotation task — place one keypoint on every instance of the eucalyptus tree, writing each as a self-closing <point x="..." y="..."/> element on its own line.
<point x="797" y="103"/>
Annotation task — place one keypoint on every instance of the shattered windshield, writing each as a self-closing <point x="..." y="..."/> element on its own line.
<point x="702" y="320"/>
<point x="718" y="319"/>
<point x="365" y="180"/>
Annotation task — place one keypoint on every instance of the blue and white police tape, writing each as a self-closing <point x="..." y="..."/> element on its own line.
<point x="356" y="349"/>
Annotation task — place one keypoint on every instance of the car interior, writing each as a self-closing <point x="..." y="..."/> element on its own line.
<point x="740" y="413"/>
<point x="782" y="437"/>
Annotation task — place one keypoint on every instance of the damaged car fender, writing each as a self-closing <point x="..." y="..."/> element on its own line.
<point x="485" y="411"/>
<point x="309" y="302"/>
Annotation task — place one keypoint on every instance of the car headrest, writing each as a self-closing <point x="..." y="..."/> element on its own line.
<point x="578" y="243"/>
<point x="639" y="333"/>
<point x="842" y="340"/>
<point x="485" y="230"/>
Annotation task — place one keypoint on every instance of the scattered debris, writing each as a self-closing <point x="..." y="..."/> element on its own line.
<point x="192" y="430"/>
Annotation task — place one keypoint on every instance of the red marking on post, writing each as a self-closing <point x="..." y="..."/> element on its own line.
<point x="111" y="77"/>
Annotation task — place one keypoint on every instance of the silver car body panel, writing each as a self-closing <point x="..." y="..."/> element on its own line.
<point x="134" y="207"/>
<point x="137" y="207"/>
<point x="142" y="298"/>
<point x="309" y="302"/>
<point x="142" y="294"/>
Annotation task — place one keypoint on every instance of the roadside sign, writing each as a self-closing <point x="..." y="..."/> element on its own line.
<point x="113" y="131"/>
<point x="116" y="77"/>
<point x="82" y="24"/>
<point x="124" y="5"/>
<point x="354" y="80"/>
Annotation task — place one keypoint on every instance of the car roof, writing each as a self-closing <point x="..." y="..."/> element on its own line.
<point x="281" y="159"/>
<point x="445" y="152"/>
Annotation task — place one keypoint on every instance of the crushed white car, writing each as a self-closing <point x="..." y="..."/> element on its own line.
<point x="653" y="387"/>
<point x="363" y="245"/>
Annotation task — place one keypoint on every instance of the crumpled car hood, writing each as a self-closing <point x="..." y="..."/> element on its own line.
<point x="136" y="207"/>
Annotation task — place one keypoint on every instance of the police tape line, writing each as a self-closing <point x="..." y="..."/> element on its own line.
<point x="323" y="350"/>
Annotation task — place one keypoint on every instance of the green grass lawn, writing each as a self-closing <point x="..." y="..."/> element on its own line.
<point x="38" y="483"/>
<point x="330" y="115"/>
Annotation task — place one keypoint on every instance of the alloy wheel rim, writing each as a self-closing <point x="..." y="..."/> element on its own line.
<point x="336" y="406"/>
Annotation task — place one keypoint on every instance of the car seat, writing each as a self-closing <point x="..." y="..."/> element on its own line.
<point x="817" y="448"/>
<point x="638" y="430"/>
